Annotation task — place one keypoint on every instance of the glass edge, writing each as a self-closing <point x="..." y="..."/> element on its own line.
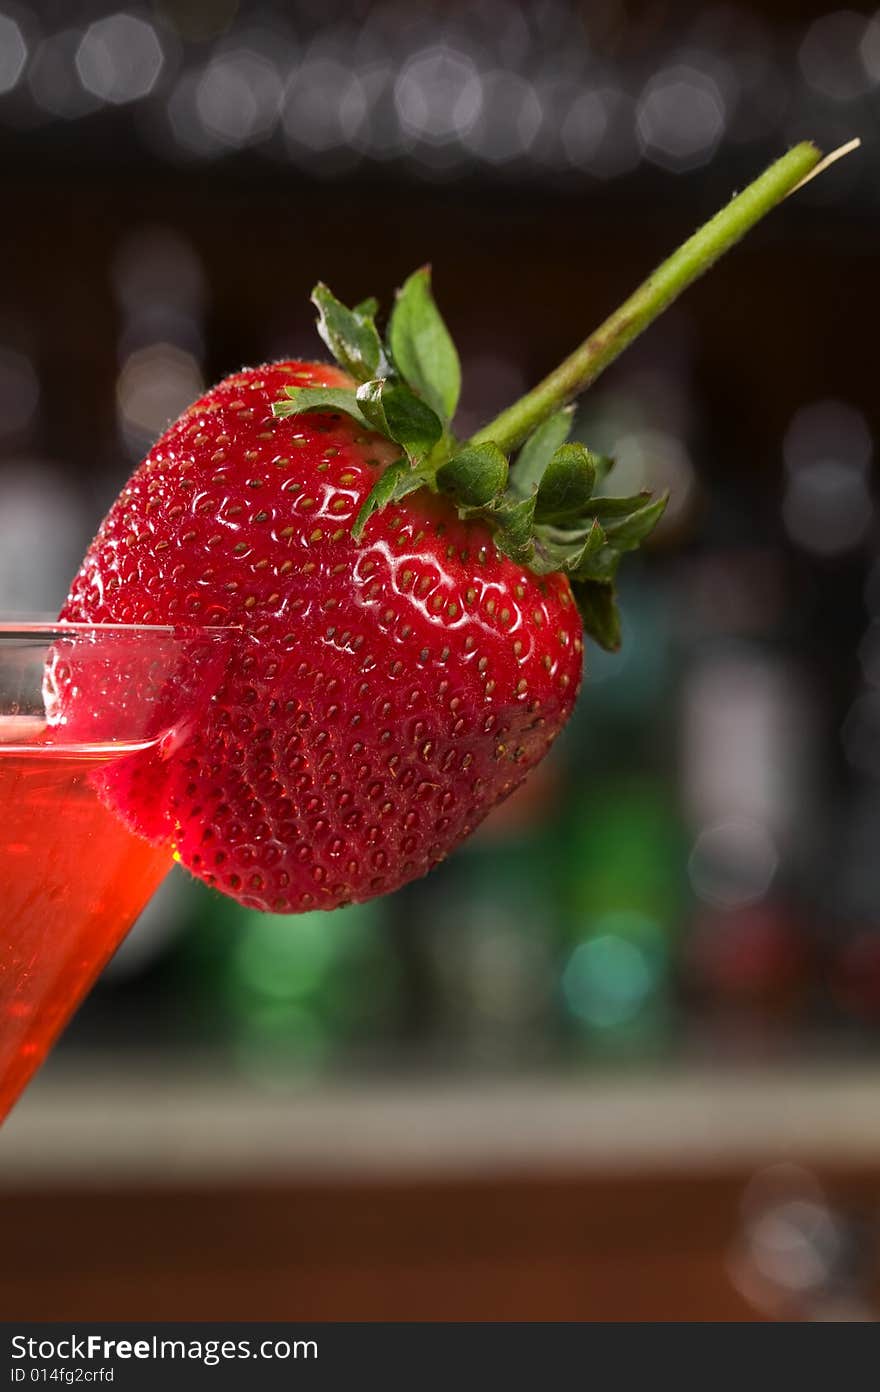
<point x="15" y="629"/>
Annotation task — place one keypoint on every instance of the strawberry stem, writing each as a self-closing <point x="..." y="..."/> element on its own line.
<point x="664" y="285"/>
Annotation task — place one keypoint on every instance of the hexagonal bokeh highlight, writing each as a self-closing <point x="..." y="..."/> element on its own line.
<point x="119" y="59"/>
<point x="13" y="53"/>
<point x="681" y="118"/>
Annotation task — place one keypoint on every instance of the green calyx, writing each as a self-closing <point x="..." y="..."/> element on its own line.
<point x="542" y="508"/>
<point x="542" y="496"/>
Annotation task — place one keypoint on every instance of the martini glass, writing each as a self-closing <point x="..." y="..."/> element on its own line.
<point x="84" y="709"/>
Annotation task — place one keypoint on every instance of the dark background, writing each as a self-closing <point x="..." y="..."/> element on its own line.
<point x="693" y="882"/>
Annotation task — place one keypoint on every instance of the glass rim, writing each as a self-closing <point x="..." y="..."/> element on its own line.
<point x="58" y="628"/>
<point x="36" y="636"/>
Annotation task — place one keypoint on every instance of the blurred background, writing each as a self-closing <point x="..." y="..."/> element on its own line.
<point x="619" y="1058"/>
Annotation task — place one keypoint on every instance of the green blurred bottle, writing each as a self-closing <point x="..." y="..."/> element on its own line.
<point x="625" y="905"/>
<point x="286" y="995"/>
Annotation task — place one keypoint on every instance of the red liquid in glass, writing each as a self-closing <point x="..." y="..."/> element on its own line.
<point x="74" y="879"/>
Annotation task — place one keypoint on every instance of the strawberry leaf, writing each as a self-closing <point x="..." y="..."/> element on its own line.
<point x="396" y="482"/>
<point x="302" y="399"/>
<point x="631" y="531"/>
<point x="535" y="454"/>
<point x="606" y="507"/>
<point x="474" y="476"/>
<point x="513" y="519"/>
<point x="421" y="347"/>
<point x="350" y="334"/>
<point x="571" y="553"/>
<point x="599" y="612"/>
<point x="567" y="484"/>
<point x="395" y="411"/>
<point x="600" y="563"/>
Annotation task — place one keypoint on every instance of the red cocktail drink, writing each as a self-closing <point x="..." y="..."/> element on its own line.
<point x="75" y="875"/>
<point x="74" y="879"/>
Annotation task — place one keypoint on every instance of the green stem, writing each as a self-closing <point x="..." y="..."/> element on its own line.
<point x="653" y="296"/>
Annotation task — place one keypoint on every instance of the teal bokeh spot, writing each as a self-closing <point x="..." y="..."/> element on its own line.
<point x="614" y="974"/>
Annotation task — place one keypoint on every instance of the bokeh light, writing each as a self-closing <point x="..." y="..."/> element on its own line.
<point x="13" y="53"/>
<point x="792" y="1248"/>
<point x="19" y="392"/>
<point x="681" y="117"/>
<point x="314" y="123"/>
<point x="598" y="132"/>
<point x="238" y="97"/>
<point x="827" y="508"/>
<point x="43" y="528"/>
<point x="190" y="136"/>
<point x="834" y="56"/>
<point x="828" y="430"/>
<point x="732" y="863"/>
<point x="746" y="732"/>
<point x="155" y="384"/>
<point x="157" y="264"/>
<point x="439" y="95"/>
<point x="119" y="58"/>
<point x="614" y="974"/>
<point x="53" y="78"/>
<point x="508" y="121"/>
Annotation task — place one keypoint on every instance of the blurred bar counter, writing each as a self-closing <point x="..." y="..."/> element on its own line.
<point x="100" y="1127"/>
<point x="705" y="1196"/>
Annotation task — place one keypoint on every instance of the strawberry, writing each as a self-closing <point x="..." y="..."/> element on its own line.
<point x="410" y="609"/>
<point x="392" y="688"/>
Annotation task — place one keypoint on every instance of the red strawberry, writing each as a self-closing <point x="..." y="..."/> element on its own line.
<point x="393" y="689"/>
<point x="410" y="645"/>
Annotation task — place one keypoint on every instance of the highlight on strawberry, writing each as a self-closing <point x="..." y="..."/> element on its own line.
<point x="411" y="608"/>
